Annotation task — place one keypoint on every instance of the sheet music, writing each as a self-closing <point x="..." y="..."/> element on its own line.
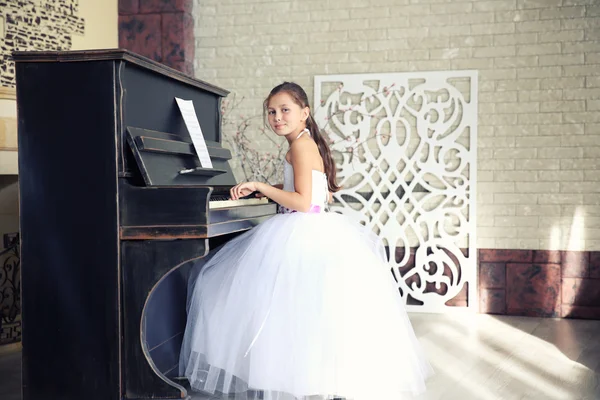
<point x="193" y="126"/>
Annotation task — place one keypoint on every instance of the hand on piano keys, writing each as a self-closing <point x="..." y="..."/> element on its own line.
<point x="260" y="195"/>
<point x="221" y="201"/>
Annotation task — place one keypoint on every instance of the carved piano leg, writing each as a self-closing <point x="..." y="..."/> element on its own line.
<point x="154" y="314"/>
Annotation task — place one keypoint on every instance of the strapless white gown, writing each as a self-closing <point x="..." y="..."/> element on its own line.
<point x="301" y="307"/>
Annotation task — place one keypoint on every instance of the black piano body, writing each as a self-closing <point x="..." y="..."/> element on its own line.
<point x="109" y="225"/>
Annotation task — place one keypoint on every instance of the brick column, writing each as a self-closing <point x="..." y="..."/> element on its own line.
<point x="162" y="30"/>
<point x="540" y="283"/>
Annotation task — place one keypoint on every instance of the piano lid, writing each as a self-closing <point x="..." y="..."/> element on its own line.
<point x="165" y="159"/>
<point x="114" y="54"/>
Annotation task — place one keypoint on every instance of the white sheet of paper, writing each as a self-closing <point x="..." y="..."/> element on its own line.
<point x="193" y="126"/>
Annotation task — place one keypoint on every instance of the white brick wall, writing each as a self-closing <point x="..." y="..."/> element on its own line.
<point x="539" y="88"/>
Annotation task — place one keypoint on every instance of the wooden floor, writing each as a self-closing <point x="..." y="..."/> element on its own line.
<point x="478" y="357"/>
<point x="481" y="357"/>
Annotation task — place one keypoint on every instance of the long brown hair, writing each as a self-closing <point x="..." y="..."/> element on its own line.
<point x="299" y="96"/>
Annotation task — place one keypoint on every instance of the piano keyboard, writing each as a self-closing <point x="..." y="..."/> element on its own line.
<point x="217" y="202"/>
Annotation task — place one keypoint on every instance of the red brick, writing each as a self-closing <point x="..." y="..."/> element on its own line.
<point x="399" y="256"/>
<point x="129" y="7"/>
<point x="595" y="264"/>
<point x="412" y="280"/>
<point x="492" y="301"/>
<point x="430" y="287"/>
<point x="575" y="264"/>
<point x="492" y="275"/>
<point x="581" y="292"/>
<point x="178" y="40"/>
<point x="533" y="289"/>
<point x="570" y="311"/>
<point x="141" y="34"/>
<point x="513" y="256"/>
<point x="159" y="6"/>
<point x="461" y="299"/>
<point x="457" y="302"/>
<point x="547" y="256"/>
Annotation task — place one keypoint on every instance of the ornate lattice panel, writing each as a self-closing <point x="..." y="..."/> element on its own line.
<point x="10" y="290"/>
<point x="405" y="146"/>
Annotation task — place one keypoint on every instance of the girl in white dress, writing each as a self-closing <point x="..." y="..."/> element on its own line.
<point x="304" y="305"/>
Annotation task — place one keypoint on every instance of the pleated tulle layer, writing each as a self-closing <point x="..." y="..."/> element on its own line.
<point x="303" y="305"/>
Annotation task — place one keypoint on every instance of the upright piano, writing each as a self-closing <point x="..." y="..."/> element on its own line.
<point x="115" y="207"/>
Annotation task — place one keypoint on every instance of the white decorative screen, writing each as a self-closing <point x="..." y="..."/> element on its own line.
<point x="405" y="146"/>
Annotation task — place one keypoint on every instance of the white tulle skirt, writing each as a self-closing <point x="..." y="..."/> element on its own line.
<point x="301" y="307"/>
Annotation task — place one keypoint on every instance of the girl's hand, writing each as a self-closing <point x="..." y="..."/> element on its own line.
<point x="277" y="186"/>
<point x="242" y="190"/>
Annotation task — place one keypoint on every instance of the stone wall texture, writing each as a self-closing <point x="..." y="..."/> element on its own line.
<point x="539" y="89"/>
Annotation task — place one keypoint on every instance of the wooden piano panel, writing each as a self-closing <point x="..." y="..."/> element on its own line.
<point x="105" y="258"/>
<point x="154" y="298"/>
<point x="160" y="157"/>
<point x="69" y="230"/>
<point x="149" y="213"/>
<point x="150" y="206"/>
<point x="148" y="101"/>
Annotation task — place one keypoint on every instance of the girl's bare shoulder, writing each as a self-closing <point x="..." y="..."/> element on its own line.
<point x="303" y="144"/>
<point x="303" y="147"/>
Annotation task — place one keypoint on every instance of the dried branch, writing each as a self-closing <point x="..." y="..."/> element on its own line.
<point x="256" y="164"/>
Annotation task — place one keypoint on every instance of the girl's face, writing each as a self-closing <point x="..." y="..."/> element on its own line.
<point x="285" y="116"/>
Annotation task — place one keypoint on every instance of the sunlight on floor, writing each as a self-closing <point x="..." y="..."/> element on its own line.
<point x="479" y="357"/>
<point x="497" y="357"/>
